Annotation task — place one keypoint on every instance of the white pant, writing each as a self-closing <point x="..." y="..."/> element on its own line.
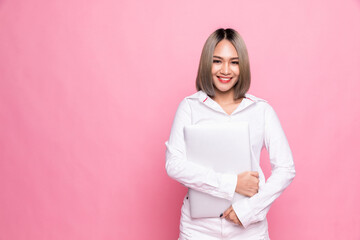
<point x="218" y="228"/>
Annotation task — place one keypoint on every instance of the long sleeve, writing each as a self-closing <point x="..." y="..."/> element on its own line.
<point x="254" y="209"/>
<point x="190" y="174"/>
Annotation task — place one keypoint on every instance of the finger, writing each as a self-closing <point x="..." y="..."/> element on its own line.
<point x="226" y="213"/>
<point x="255" y="174"/>
<point x="249" y="193"/>
<point x="236" y="221"/>
<point x="228" y="217"/>
<point x="255" y="191"/>
<point x="234" y="218"/>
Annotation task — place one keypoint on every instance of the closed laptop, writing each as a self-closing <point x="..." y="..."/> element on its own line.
<point x="223" y="147"/>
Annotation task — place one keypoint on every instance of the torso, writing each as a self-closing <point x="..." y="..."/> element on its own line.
<point x="206" y="112"/>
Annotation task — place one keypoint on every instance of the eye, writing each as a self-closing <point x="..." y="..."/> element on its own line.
<point x="216" y="61"/>
<point x="235" y="62"/>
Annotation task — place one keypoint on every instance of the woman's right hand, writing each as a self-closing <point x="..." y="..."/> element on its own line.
<point x="247" y="183"/>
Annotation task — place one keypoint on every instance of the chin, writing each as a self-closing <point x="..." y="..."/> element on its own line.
<point x="224" y="90"/>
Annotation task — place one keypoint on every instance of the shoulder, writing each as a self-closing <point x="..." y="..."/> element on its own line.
<point x="263" y="106"/>
<point x="260" y="102"/>
<point x="184" y="105"/>
<point x="199" y="95"/>
<point x="196" y="97"/>
<point x="254" y="98"/>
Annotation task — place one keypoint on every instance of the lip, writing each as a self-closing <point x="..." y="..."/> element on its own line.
<point x="224" y="81"/>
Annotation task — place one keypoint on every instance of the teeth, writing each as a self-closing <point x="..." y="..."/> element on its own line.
<point x="225" y="79"/>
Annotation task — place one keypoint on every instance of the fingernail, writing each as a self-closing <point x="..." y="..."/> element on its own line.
<point x="221" y="215"/>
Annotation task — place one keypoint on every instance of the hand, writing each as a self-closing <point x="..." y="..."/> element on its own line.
<point x="231" y="216"/>
<point x="247" y="183"/>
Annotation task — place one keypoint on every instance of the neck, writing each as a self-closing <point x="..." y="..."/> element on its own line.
<point x="224" y="97"/>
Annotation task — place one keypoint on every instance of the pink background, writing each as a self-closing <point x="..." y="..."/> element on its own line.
<point x="89" y="89"/>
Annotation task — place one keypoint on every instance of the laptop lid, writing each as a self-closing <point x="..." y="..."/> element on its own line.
<point x="223" y="147"/>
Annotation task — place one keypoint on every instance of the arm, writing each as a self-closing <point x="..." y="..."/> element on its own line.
<point x="190" y="174"/>
<point x="254" y="209"/>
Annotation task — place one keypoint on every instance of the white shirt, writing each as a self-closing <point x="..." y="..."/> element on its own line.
<point x="265" y="131"/>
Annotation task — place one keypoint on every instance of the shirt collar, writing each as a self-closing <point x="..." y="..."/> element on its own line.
<point x="204" y="98"/>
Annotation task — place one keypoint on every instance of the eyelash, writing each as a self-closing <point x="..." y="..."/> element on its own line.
<point x="218" y="61"/>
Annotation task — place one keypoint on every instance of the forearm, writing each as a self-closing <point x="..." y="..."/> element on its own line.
<point x="255" y="209"/>
<point x="283" y="172"/>
<point x="199" y="177"/>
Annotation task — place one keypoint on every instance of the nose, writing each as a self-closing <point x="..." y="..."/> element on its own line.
<point x="225" y="68"/>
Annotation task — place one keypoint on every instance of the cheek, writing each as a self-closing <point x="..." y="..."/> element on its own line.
<point x="235" y="70"/>
<point x="215" y="69"/>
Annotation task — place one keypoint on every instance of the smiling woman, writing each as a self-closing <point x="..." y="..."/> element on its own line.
<point x="222" y="82"/>
<point x="224" y="50"/>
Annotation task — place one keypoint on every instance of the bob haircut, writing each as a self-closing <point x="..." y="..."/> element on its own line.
<point x="204" y="80"/>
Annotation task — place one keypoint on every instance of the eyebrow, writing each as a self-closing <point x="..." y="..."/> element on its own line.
<point x="230" y="58"/>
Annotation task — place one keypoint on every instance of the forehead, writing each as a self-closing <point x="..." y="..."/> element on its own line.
<point x="225" y="49"/>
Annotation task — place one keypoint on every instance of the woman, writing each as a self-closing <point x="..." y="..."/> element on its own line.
<point x="222" y="82"/>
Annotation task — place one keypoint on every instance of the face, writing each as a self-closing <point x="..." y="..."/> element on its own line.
<point x="225" y="67"/>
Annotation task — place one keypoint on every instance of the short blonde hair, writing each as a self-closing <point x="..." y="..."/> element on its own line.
<point x="204" y="76"/>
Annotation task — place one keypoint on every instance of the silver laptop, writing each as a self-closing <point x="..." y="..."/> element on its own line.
<point x="224" y="147"/>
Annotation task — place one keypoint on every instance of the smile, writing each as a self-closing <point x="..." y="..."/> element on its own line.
<point x="224" y="79"/>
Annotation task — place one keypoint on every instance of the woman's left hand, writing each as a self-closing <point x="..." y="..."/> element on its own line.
<point x="230" y="215"/>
